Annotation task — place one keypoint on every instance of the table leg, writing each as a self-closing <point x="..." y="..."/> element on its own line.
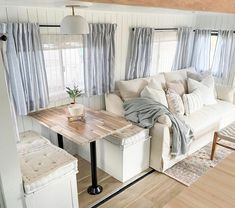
<point x="60" y="141"/>
<point x="94" y="188"/>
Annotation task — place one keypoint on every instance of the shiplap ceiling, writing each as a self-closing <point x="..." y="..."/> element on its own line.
<point x="226" y="6"/>
<point x="164" y="6"/>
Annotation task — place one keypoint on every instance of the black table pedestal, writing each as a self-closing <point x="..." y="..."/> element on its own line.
<point x="94" y="188"/>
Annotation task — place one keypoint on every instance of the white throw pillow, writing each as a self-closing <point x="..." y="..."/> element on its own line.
<point x="192" y="102"/>
<point x="206" y="88"/>
<point x="175" y="103"/>
<point x="198" y="76"/>
<point x="154" y="91"/>
<point x="114" y="104"/>
<point x="131" y="88"/>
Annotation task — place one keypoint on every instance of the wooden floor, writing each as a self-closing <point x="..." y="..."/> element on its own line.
<point x="155" y="190"/>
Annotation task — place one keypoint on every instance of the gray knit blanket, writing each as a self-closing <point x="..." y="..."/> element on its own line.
<point x="144" y="112"/>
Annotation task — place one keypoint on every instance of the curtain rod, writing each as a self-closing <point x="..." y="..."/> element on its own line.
<point x="175" y="28"/>
<point x="49" y="25"/>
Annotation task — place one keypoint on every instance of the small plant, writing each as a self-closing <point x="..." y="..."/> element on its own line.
<point x="73" y="93"/>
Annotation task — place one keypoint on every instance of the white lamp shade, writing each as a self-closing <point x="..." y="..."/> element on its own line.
<point x="74" y="25"/>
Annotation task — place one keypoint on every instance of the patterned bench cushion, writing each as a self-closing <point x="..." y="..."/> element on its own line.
<point x="44" y="163"/>
<point x="129" y="136"/>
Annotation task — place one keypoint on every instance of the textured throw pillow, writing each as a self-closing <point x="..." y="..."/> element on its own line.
<point x="206" y="88"/>
<point x="175" y="103"/>
<point x="177" y="87"/>
<point x="192" y="102"/>
<point x="154" y="91"/>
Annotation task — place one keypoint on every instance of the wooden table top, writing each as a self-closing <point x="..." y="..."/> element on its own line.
<point x="97" y="124"/>
<point x="214" y="189"/>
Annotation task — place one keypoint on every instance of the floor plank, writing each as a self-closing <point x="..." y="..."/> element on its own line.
<point x="155" y="190"/>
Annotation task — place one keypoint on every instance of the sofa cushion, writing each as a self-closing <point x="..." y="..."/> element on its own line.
<point x="114" y="104"/>
<point x="198" y="76"/>
<point x="129" y="136"/>
<point x="206" y="88"/>
<point x="131" y="88"/>
<point x="155" y="92"/>
<point x="177" y="86"/>
<point x="175" y="103"/>
<point x="179" y="75"/>
<point x="210" y="118"/>
<point x="192" y="102"/>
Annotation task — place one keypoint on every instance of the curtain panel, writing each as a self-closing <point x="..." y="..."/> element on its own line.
<point x="99" y="58"/>
<point x="141" y="50"/>
<point x="223" y="66"/>
<point x="26" y="67"/>
<point x="201" y="50"/>
<point x="184" y="49"/>
<point x="193" y="49"/>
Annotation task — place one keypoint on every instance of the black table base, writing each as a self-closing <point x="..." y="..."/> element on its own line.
<point x="94" y="189"/>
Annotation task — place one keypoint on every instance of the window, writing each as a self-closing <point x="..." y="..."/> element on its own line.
<point x="213" y="46"/>
<point x="164" y="48"/>
<point x="64" y="63"/>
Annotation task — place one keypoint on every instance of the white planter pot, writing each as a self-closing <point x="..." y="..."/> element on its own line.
<point x="76" y="109"/>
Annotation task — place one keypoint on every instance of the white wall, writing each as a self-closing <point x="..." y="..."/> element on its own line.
<point x="11" y="180"/>
<point x="125" y="20"/>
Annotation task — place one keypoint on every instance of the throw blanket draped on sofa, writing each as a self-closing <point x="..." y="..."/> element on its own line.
<point x="145" y="112"/>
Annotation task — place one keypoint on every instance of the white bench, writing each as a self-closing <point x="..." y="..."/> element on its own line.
<point x="48" y="172"/>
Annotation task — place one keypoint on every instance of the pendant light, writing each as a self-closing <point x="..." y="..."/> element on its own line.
<point x="74" y="24"/>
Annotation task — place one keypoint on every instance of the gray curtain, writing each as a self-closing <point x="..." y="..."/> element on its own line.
<point x="201" y="50"/>
<point x="26" y="67"/>
<point x="99" y="57"/>
<point x="141" y="50"/>
<point x="184" y="49"/>
<point x="223" y="62"/>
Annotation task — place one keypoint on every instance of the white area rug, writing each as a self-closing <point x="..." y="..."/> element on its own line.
<point x="190" y="169"/>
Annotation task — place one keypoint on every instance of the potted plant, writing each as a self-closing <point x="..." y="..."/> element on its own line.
<point x="73" y="93"/>
<point x="75" y="109"/>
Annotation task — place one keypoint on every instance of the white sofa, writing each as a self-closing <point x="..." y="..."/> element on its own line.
<point x="203" y="122"/>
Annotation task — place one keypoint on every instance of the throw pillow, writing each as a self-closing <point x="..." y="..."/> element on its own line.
<point x="114" y="104"/>
<point x="177" y="86"/>
<point x="206" y="88"/>
<point x="198" y="76"/>
<point x="192" y="102"/>
<point x="154" y="91"/>
<point x="131" y="88"/>
<point x="175" y="103"/>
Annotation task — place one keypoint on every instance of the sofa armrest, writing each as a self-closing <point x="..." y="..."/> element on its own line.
<point x="160" y="146"/>
<point x="226" y="93"/>
<point x="114" y="104"/>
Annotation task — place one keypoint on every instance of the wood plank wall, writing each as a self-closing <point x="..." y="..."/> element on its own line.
<point x="124" y="21"/>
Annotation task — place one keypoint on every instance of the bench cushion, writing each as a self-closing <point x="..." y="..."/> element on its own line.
<point x="129" y="136"/>
<point x="43" y="164"/>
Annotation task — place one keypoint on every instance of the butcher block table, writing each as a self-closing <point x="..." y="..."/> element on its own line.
<point x="97" y="125"/>
<point x="214" y="189"/>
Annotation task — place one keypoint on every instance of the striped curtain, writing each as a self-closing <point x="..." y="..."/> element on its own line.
<point x="140" y="58"/>
<point x="99" y="57"/>
<point x="25" y="67"/>
<point x="223" y="66"/>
